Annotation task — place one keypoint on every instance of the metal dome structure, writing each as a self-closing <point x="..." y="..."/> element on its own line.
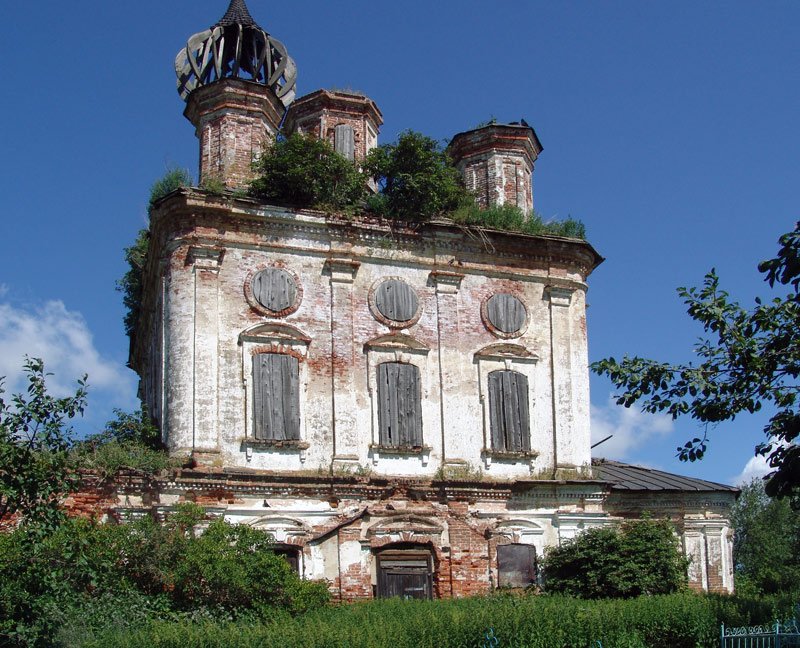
<point x="236" y="47"/>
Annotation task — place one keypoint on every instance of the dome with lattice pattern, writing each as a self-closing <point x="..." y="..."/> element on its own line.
<point x="236" y="47"/>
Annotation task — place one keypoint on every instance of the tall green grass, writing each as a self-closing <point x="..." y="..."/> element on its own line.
<point x="678" y="621"/>
<point x="510" y="218"/>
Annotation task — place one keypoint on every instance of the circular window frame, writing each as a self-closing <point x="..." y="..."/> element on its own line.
<point x="496" y="331"/>
<point x="258" y="306"/>
<point x="394" y="324"/>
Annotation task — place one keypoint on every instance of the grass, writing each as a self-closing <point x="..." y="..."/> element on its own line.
<point x="510" y="218"/>
<point x="680" y="621"/>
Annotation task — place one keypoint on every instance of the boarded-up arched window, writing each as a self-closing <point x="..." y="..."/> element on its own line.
<point x="276" y="397"/>
<point x="508" y="411"/>
<point x="516" y="565"/>
<point x="344" y="141"/>
<point x="399" y="404"/>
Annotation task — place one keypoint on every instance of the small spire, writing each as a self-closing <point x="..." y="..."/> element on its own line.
<point x="237" y="14"/>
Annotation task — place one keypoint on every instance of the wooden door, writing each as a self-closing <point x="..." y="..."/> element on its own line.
<point x="408" y="577"/>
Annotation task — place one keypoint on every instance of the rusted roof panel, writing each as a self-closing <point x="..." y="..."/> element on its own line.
<point x="627" y="477"/>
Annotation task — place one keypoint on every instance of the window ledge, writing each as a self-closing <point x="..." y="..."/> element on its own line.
<point x="510" y="454"/>
<point x="399" y="450"/>
<point x="276" y="444"/>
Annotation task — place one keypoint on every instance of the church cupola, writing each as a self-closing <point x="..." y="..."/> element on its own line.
<point x="237" y="82"/>
<point x="496" y="161"/>
<point x="349" y="120"/>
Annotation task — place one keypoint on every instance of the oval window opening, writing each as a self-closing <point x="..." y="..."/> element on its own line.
<point x="506" y="313"/>
<point x="396" y="300"/>
<point x="275" y="289"/>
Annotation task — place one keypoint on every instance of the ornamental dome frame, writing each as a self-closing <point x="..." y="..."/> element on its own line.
<point x="236" y="47"/>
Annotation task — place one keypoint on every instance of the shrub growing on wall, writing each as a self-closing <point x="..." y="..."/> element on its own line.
<point x="130" y="285"/>
<point x="303" y="171"/>
<point x="417" y="179"/>
<point x="639" y="557"/>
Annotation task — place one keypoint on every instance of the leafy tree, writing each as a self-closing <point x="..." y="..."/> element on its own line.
<point x="766" y="543"/>
<point x="34" y="447"/>
<point x="639" y="557"/>
<point x="750" y="358"/>
<point x="305" y="171"/>
<point x="416" y="177"/>
<point x="130" y="285"/>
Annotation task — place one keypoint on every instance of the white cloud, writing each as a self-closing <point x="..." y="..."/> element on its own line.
<point x="631" y="428"/>
<point x="756" y="467"/>
<point x="63" y="340"/>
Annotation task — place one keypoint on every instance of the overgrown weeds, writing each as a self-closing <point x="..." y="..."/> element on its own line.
<point x="510" y="218"/>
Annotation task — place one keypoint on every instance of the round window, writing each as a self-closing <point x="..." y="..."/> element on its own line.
<point x="396" y="301"/>
<point x="275" y="289"/>
<point x="506" y="313"/>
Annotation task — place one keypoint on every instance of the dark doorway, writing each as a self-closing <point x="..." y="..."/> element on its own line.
<point x="291" y="555"/>
<point x="407" y="574"/>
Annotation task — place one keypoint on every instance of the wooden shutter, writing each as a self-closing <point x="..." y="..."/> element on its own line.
<point x="506" y="313"/>
<point x="344" y="141"/>
<point x="275" y="289"/>
<point x="396" y="300"/>
<point x="399" y="404"/>
<point x="276" y="397"/>
<point x="509" y="419"/>
<point x="516" y="565"/>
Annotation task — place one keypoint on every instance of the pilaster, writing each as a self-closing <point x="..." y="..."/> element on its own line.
<point x="342" y="273"/>
<point x="569" y="451"/>
<point x="451" y="376"/>
<point x="205" y="263"/>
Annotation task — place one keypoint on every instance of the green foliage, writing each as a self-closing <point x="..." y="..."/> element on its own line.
<point x="173" y="179"/>
<point x="34" y="447"/>
<point x="214" y="186"/>
<point x="641" y="557"/>
<point x="304" y="171"/>
<point x="416" y="177"/>
<point x="58" y="582"/>
<point x="678" y="621"/>
<point x="751" y="358"/>
<point x="130" y="440"/>
<point x="766" y="545"/>
<point x="510" y="218"/>
<point x="130" y="285"/>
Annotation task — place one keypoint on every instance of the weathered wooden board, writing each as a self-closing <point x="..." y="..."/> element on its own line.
<point x="344" y="141"/>
<point x="274" y="289"/>
<point x="506" y="313"/>
<point x="399" y="404"/>
<point x="396" y="300"/>
<point x="516" y="565"/>
<point x="509" y="417"/>
<point x="276" y="397"/>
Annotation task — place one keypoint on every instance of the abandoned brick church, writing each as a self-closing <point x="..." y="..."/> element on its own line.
<point x="405" y="410"/>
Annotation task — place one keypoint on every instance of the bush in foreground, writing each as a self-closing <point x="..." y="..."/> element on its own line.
<point x="639" y="557"/>
<point x="140" y="572"/>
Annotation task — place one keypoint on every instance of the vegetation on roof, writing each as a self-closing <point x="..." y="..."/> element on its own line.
<point x="305" y="171"/>
<point x="415" y="178"/>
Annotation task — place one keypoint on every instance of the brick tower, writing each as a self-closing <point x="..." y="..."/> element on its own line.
<point x="497" y="161"/>
<point x="237" y="81"/>
<point x="348" y="120"/>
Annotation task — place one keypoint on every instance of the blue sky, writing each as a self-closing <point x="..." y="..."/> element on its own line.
<point x="670" y="129"/>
